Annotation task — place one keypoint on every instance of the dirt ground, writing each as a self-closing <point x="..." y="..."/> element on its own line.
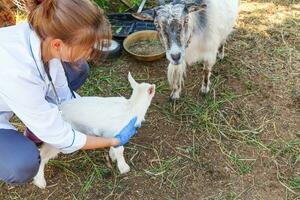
<point x="241" y="141"/>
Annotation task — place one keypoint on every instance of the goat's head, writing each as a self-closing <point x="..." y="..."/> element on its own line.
<point x="142" y="93"/>
<point x="172" y="22"/>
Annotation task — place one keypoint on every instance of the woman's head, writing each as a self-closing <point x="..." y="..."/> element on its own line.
<point x="69" y="28"/>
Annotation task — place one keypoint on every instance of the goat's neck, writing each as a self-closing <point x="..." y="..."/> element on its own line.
<point x="138" y="108"/>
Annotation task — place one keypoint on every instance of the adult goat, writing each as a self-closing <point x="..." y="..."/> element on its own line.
<point x="193" y="32"/>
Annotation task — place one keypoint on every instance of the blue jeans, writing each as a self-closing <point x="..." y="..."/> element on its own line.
<point x="19" y="156"/>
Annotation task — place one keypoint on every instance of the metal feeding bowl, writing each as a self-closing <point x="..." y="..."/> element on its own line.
<point x="139" y="45"/>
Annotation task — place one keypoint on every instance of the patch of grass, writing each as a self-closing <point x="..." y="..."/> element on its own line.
<point x="103" y="3"/>
<point x="193" y="151"/>
<point x="251" y="86"/>
<point x="289" y="149"/>
<point x="240" y="163"/>
<point x="162" y="87"/>
<point x="295" y="183"/>
<point x="135" y="2"/>
<point x="104" y="81"/>
<point x="65" y="167"/>
<point x="87" y="184"/>
<point x="117" y="6"/>
<point x="164" y="165"/>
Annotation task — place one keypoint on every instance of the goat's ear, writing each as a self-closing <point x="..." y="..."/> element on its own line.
<point x="156" y="9"/>
<point x="132" y="82"/>
<point x="197" y="8"/>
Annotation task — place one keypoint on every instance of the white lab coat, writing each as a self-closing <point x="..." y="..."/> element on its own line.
<point x="25" y="89"/>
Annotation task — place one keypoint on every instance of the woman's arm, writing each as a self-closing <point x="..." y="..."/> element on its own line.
<point x="93" y="142"/>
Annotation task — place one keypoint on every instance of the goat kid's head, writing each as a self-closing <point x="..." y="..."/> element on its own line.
<point x="172" y="23"/>
<point x="142" y="92"/>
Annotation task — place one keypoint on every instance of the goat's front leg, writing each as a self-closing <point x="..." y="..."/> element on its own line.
<point x="207" y="67"/>
<point x="221" y="51"/>
<point x="47" y="152"/>
<point x="176" y="75"/>
<point x="116" y="154"/>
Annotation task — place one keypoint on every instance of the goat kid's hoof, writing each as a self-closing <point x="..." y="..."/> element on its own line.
<point x="40" y="182"/>
<point x="204" y="89"/>
<point x="124" y="169"/>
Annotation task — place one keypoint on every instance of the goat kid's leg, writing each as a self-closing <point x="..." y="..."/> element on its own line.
<point x="112" y="154"/>
<point x="47" y="152"/>
<point x="176" y="74"/>
<point x="116" y="154"/>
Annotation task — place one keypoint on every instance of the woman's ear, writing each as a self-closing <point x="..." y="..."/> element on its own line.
<point x="56" y="45"/>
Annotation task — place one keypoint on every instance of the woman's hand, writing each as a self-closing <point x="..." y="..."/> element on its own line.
<point x="127" y="132"/>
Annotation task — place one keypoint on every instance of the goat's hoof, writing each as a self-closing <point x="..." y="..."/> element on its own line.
<point x="124" y="169"/>
<point x="204" y="89"/>
<point x="40" y="182"/>
<point x="174" y="96"/>
<point x="221" y="56"/>
<point x="171" y="99"/>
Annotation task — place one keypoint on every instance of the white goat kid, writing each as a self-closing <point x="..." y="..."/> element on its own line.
<point x="193" y="32"/>
<point x="102" y="116"/>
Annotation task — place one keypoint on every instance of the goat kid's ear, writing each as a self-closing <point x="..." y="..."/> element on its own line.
<point x="151" y="89"/>
<point x="132" y="82"/>
<point x="197" y="8"/>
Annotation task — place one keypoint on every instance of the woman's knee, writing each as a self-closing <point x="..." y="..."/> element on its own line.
<point x="23" y="172"/>
<point x="20" y="161"/>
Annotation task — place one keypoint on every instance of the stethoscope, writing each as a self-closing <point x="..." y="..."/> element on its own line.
<point x="57" y="99"/>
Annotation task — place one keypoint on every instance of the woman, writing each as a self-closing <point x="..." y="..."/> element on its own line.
<point x="33" y="82"/>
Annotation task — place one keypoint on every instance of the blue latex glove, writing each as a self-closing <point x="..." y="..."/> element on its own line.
<point x="127" y="132"/>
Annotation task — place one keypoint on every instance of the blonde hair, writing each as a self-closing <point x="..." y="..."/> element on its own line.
<point x="76" y="22"/>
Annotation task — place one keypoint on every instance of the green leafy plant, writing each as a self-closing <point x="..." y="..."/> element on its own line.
<point x="102" y="3"/>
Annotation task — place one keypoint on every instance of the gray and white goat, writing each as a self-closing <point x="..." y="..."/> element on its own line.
<point x="102" y="116"/>
<point x="192" y="32"/>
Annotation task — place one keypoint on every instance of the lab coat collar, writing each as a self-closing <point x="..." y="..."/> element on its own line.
<point x="35" y="48"/>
